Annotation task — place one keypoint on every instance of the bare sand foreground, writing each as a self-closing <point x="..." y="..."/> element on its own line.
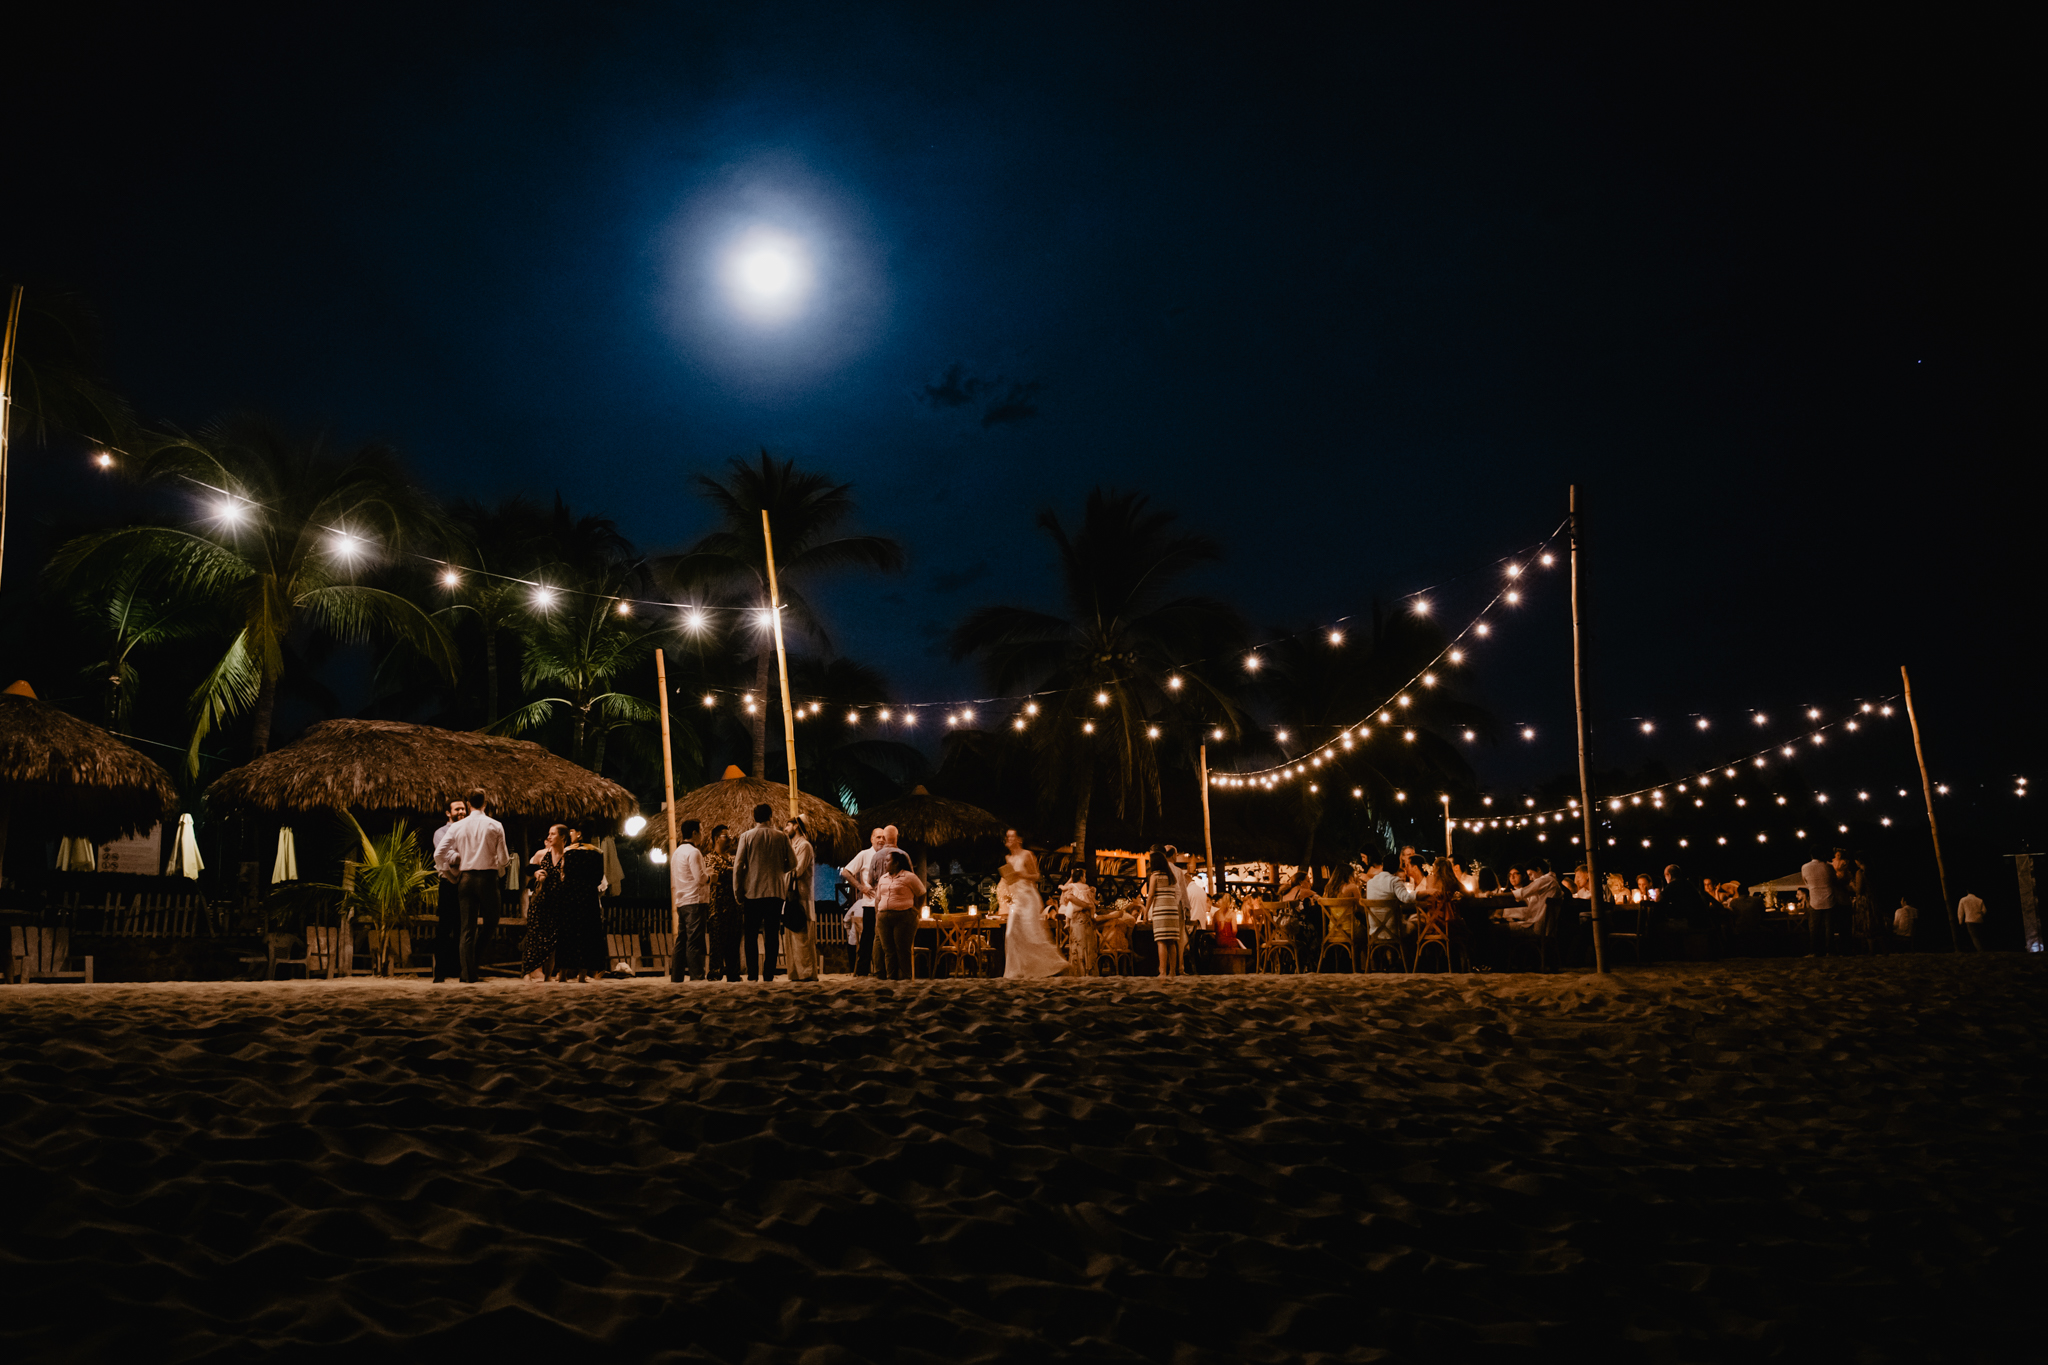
<point x="1832" y="1161"/>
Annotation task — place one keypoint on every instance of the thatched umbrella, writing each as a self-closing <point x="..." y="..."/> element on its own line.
<point x="74" y="773"/>
<point x="936" y="825"/>
<point x="731" y="802"/>
<point x="387" y="765"/>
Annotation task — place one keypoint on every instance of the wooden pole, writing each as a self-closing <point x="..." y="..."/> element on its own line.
<point x="7" y="406"/>
<point x="781" y="660"/>
<point x="1208" y="835"/>
<point x="1585" y="754"/>
<point x="1955" y="935"/>
<point x="668" y="779"/>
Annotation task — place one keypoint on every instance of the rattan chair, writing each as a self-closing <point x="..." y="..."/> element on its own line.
<point x="1383" y="933"/>
<point x="1340" y="929"/>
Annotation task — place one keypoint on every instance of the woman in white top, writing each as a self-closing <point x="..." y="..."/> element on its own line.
<point x="1028" y="949"/>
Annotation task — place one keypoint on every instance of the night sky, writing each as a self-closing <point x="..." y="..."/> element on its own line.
<point x="1362" y="295"/>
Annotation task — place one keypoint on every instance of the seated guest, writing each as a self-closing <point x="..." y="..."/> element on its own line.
<point x="1382" y="886"/>
<point x="1297" y="887"/>
<point x="1344" y="882"/>
<point x="1535" y="896"/>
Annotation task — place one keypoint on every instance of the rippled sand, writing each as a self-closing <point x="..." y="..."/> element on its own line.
<point x="1839" y="1160"/>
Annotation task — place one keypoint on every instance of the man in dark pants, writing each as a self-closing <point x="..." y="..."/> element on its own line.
<point x="692" y="903"/>
<point x="760" y="880"/>
<point x="447" y="933"/>
<point x="475" y="851"/>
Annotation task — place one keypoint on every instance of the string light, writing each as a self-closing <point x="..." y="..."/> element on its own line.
<point x="1336" y="637"/>
<point x="451" y="579"/>
<point x="1174" y="682"/>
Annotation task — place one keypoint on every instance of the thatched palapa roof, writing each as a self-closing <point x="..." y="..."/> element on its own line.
<point x="75" y="773"/>
<point x="387" y="765"/>
<point x="731" y="802"/>
<point x="935" y="823"/>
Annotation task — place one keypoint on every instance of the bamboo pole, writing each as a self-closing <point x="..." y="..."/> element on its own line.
<point x="1955" y="935"/>
<point x="668" y="782"/>
<point x="1447" y="827"/>
<point x="1585" y="755"/>
<point x="781" y="660"/>
<point x="7" y="406"/>
<point x="1208" y="836"/>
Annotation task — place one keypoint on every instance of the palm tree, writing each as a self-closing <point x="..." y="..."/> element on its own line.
<point x="128" y="616"/>
<point x="288" y="527"/>
<point x="805" y="510"/>
<point x="1109" y="660"/>
<point x="580" y="643"/>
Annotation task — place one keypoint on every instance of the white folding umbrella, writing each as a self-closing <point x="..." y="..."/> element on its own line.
<point x="76" y="855"/>
<point x="185" y="859"/>
<point x="287" y="868"/>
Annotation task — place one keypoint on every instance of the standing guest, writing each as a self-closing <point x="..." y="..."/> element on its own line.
<point x="475" y="851"/>
<point x="760" y="878"/>
<point x="1970" y="910"/>
<point x="1853" y="879"/>
<point x="1822" y="898"/>
<point x="862" y="874"/>
<point x="725" y="906"/>
<point x="447" y="912"/>
<point x="541" y="918"/>
<point x="579" y="914"/>
<point x="1084" y="942"/>
<point x="896" y="893"/>
<point x="1028" y="949"/>
<point x="1905" y="920"/>
<point x="691" y="901"/>
<point x="1162" y="908"/>
<point x="800" y="950"/>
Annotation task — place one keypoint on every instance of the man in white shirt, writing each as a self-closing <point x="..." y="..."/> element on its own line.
<point x="690" y="894"/>
<point x="861" y="874"/>
<point x="1970" y="910"/>
<point x="1905" y="920"/>
<point x="1822" y="901"/>
<point x="448" y="932"/>
<point x="475" y="851"/>
<point x="1535" y="898"/>
<point x="1382" y="886"/>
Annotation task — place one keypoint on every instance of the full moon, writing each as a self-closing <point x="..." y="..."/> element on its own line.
<point x="768" y="274"/>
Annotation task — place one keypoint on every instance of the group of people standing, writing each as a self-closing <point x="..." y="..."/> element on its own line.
<point x="564" y="921"/>
<point x="749" y="896"/>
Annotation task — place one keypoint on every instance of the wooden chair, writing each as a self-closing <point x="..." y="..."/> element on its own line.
<point x="1383" y="933"/>
<point x="1624" y="926"/>
<point x="1340" y="929"/>
<point x="330" y="949"/>
<point x="964" y="938"/>
<point x="1276" y="939"/>
<point x="1554" y="935"/>
<point x="1436" y="926"/>
<point x="1113" y="955"/>
<point x="36" y="954"/>
<point x="661" y="951"/>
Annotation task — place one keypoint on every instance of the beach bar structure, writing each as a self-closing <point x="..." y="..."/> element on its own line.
<point x="731" y="801"/>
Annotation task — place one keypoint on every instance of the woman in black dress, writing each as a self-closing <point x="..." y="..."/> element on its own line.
<point x="543" y="914"/>
<point x="579" y="920"/>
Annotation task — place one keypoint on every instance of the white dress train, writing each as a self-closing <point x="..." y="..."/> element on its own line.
<point x="1028" y="949"/>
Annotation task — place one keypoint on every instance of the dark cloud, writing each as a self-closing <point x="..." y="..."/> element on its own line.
<point x="953" y="581"/>
<point x="1003" y="401"/>
<point x="1018" y="405"/>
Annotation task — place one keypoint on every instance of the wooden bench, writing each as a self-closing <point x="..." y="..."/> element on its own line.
<point x="35" y="954"/>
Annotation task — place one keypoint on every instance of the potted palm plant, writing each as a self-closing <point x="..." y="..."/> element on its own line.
<point x="392" y="883"/>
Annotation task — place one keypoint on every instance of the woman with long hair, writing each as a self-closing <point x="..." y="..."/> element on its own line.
<point x="579" y="917"/>
<point x="1163" y="910"/>
<point x="542" y="930"/>
<point x="1077" y="903"/>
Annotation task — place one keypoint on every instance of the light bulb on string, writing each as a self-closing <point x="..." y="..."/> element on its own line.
<point x="1456" y="656"/>
<point x="1482" y="629"/>
<point x="1174" y="682"/>
<point x="1336" y="637"/>
<point x="1548" y="560"/>
<point x="451" y="579"/>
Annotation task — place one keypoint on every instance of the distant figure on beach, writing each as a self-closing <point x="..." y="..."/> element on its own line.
<point x="1905" y="920"/>
<point x="541" y="913"/>
<point x="1028" y="949"/>
<point x="1970" y="911"/>
<point x="725" y="905"/>
<point x="691" y="899"/>
<point x="1823" y="899"/>
<point x="861" y="874"/>
<point x="447" y="932"/>
<point x="475" y="852"/>
<point x="800" y="950"/>
<point x="1084" y="939"/>
<point x="896" y="893"/>
<point x="579" y="913"/>
<point x="1163" y="909"/>
<point x="760" y="878"/>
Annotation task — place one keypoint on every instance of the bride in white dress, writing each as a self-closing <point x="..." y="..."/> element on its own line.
<point x="1028" y="949"/>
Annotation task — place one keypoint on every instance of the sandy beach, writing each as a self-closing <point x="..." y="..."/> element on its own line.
<point x="1796" y="1160"/>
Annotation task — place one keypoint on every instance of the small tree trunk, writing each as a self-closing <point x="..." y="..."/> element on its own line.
<point x="761" y="713"/>
<point x="597" y="754"/>
<point x="266" y="709"/>
<point x="1081" y="827"/>
<point x="576" y="735"/>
